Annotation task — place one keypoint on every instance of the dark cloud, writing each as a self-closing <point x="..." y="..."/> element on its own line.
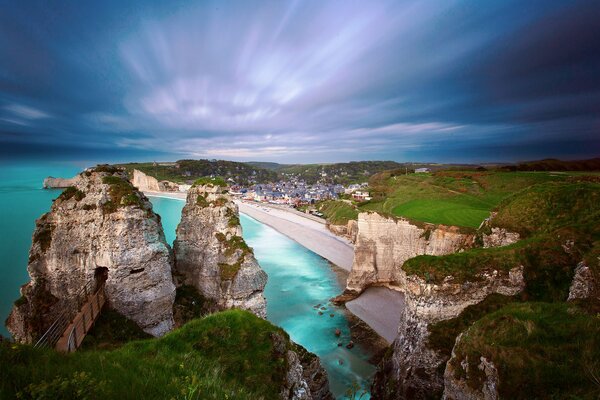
<point x="302" y="81"/>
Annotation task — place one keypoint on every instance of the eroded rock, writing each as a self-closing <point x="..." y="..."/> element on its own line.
<point x="102" y="226"/>
<point x="212" y="256"/>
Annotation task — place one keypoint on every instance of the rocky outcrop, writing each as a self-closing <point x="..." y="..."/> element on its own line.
<point x="584" y="285"/>
<point x="102" y="228"/>
<point x="383" y="244"/>
<point x="305" y="379"/>
<point x="348" y="231"/>
<point x="147" y="183"/>
<point x="60" y="183"/>
<point x="414" y="370"/>
<point x="458" y="389"/>
<point x="212" y="256"/>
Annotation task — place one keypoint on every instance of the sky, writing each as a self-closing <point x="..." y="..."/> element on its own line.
<point x="300" y="81"/>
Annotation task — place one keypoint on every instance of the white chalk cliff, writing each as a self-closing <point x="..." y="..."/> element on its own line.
<point x="100" y="224"/>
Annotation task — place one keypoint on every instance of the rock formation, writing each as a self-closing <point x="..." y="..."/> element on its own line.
<point x="584" y="286"/>
<point x="383" y="244"/>
<point x="455" y="388"/>
<point x="211" y="255"/>
<point x="306" y="379"/>
<point x="413" y="369"/>
<point x="101" y="226"/>
<point x="146" y="183"/>
<point x="349" y="231"/>
<point x="60" y="183"/>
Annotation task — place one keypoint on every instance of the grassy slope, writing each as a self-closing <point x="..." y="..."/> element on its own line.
<point x="461" y="198"/>
<point x="541" y="350"/>
<point x="337" y="212"/>
<point x="561" y="225"/>
<point x="224" y="355"/>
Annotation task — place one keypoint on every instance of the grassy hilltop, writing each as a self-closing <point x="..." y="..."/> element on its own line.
<point x="230" y="354"/>
<point x="460" y="198"/>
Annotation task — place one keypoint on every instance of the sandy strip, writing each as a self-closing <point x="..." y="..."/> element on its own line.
<point x="380" y="308"/>
<point x="309" y="233"/>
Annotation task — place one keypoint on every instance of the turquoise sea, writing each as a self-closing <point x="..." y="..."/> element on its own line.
<point x="298" y="278"/>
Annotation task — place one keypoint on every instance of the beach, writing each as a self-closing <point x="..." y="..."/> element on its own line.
<point x="305" y="230"/>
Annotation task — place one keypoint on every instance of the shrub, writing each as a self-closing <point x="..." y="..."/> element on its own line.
<point x="208" y="181"/>
<point x="70" y="192"/>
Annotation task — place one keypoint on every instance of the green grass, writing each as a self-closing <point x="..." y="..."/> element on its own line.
<point x="445" y="212"/>
<point x="122" y="193"/>
<point x="541" y="350"/>
<point x="442" y="335"/>
<point x="216" y="181"/>
<point x="225" y="355"/>
<point x="337" y="212"/>
<point x="71" y="192"/>
<point x="548" y="268"/>
<point x="460" y="198"/>
<point x="549" y="206"/>
<point x="112" y="330"/>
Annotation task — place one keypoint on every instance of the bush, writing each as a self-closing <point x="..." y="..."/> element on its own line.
<point x="208" y="181"/>
<point x="71" y="192"/>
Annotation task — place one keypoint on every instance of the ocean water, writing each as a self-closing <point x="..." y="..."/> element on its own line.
<point x="22" y="201"/>
<point x="298" y="278"/>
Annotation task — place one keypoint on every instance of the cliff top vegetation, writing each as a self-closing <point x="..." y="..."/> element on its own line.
<point x="225" y="355"/>
<point x="460" y="198"/>
<point x="541" y="350"/>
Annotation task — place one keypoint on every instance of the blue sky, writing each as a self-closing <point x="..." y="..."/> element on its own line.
<point x="300" y="81"/>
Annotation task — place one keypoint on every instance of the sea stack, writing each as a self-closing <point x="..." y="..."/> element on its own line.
<point x="101" y="228"/>
<point x="212" y="256"/>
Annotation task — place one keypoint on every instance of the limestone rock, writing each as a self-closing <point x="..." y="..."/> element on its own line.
<point x="147" y="183"/>
<point x="383" y="244"/>
<point x="584" y="285"/>
<point x="348" y="231"/>
<point x="100" y="226"/>
<point x="456" y="388"/>
<point x="212" y="256"/>
<point x="60" y="183"/>
<point x="413" y="369"/>
<point x="306" y="379"/>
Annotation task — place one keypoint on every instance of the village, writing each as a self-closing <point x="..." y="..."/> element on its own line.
<point x="295" y="192"/>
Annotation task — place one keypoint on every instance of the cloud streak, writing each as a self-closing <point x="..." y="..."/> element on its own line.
<point x="307" y="81"/>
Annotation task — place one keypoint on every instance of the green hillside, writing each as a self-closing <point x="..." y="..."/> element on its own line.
<point x="225" y="355"/>
<point x="187" y="171"/>
<point x="461" y="198"/>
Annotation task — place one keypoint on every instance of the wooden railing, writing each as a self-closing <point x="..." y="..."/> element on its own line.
<point x="68" y="330"/>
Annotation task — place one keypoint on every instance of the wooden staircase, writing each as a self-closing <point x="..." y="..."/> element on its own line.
<point x="68" y="331"/>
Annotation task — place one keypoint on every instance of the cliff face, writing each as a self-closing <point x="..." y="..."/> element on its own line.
<point x="211" y="255"/>
<point x="384" y="244"/>
<point x="100" y="229"/>
<point x="60" y="183"/>
<point x="147" y="183"/>
<point x="413" y="369"/>
<point x="306" y="379"/>
<point x="144" y="182"/>
<point x="349" y="231"/>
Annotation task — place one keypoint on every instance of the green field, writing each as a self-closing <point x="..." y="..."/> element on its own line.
<point x="461" y="198"/>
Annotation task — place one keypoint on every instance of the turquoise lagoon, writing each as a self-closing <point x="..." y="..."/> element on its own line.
<point x="298" y="281"/>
